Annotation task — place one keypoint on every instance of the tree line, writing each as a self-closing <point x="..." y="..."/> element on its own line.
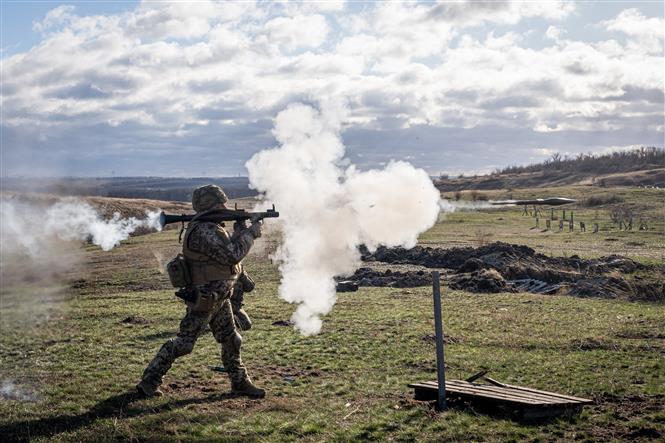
<point x="620" y="161"/>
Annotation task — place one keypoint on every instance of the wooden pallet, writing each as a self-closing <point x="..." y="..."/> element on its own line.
<point x="526" y="403"/>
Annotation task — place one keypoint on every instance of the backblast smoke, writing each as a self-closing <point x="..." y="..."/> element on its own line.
<point x="327" y="208"/>
<point x="29" y="228"/>
<point x="38" y="252"/>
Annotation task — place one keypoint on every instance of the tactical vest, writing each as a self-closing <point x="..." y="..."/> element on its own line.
<point x="203" y="269"/>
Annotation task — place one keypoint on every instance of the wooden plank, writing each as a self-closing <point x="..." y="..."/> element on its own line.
<point x="427" y="393"/>
<point x="539" y="392"/>
<point x="494" y="382"/>
<point x="507" y="393"/>
<point x="510" y="393"/>
<point x="522" y="411"/>
<point x="523" y="403"/>
<point x="554" y="394"/>
<point x="501" y="391"/>
<point x="473" y="392"/>
<point x="520" y="394"/>
<point x="535" y="395"/>
<point x="476" y="376"/>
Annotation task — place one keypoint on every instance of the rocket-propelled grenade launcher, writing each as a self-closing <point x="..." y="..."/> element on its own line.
<point x="219" y="216"/>
<point x="556" y="201"/>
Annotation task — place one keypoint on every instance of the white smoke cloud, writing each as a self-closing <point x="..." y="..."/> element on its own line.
<point x="448" y="205"/>
<point x="29" y="228"/>
<point x="38" y="252"/>
<point x="10" y="391"/>
<point x="327" y="209"/>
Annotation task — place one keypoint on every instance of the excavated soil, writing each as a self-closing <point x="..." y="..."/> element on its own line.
<point x="502" y="267"/>
<point x="387" y="278"/>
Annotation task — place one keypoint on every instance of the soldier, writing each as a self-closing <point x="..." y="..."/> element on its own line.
<point x="213" y="258"/>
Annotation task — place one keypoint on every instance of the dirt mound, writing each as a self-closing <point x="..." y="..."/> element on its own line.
<point x="135" y="320"/>
<point x="502" y="255"/>
<point x="482" y="281"/>
<point x="387" y="278"/>
<point x="607" y="277"/>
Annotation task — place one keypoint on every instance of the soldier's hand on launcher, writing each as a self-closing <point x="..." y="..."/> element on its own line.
<point x="255" y="227"/>
<point x="239" y="225"/>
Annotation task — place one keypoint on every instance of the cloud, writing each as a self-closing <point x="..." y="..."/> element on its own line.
<point x="307" y="31"/>
<point x="144" y="85"/>
<point x="632" y="22"/>
<point x="177" y="19"/>
<point x="55" y="17"/>
<point x="554" y="33"/>
<point x="474" y="12"/>
<point x="645" y="33"/>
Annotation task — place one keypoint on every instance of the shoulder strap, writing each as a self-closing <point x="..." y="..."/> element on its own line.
<point x="182" y="228"/>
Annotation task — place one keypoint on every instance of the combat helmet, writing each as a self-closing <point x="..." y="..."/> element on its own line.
<point x="208" y="197"/>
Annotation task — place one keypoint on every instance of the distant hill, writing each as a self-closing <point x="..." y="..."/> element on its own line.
<point x="639" y="167"/>
<point x="156" y="188"/>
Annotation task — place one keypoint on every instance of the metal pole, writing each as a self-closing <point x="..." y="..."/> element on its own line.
<point x="438" y="329"/>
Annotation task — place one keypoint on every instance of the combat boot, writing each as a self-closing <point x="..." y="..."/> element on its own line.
<point x="247" y="388"/>
<point x="146" y="389"/>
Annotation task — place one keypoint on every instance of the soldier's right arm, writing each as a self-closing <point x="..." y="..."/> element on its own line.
<point x="214" y="241"/>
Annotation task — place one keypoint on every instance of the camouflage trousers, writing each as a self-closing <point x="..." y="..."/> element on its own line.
<point x="220" y="319"/>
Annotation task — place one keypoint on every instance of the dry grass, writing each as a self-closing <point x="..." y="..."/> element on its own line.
<point x="80" y="362"/>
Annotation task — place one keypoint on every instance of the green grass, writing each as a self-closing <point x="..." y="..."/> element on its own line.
<point x="347" y="383"/>
<point x="507" y="224"/>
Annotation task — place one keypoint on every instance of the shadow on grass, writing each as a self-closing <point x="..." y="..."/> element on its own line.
<point x="521" y="416"/>
<point x="116" y="406"/>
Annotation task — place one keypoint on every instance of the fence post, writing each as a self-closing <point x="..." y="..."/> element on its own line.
<point x="438" y="330"/>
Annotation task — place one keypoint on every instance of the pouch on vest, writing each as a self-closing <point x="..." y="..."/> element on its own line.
<point x="178" y="272"/>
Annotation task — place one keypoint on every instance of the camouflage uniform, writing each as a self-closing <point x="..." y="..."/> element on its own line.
<point x="214" y="258"/>
<point x="244" y="284"/>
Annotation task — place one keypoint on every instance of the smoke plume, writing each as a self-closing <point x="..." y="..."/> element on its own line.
<point x="39" y="252"/>
<point x="30" y="228"/>
<point x="327" y="209"/>
<point x="10" y="391"/>
<point x="464" y="205"/>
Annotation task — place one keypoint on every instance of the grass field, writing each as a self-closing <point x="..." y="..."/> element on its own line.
<point x="507" y="224"/>
<point x="73" y="358"/>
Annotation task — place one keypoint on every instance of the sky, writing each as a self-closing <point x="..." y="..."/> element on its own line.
<point x="192" y="88"/>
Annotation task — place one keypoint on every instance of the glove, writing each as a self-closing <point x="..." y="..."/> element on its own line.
<point x="255" y="227"/>
<point x="239" y="225"/>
